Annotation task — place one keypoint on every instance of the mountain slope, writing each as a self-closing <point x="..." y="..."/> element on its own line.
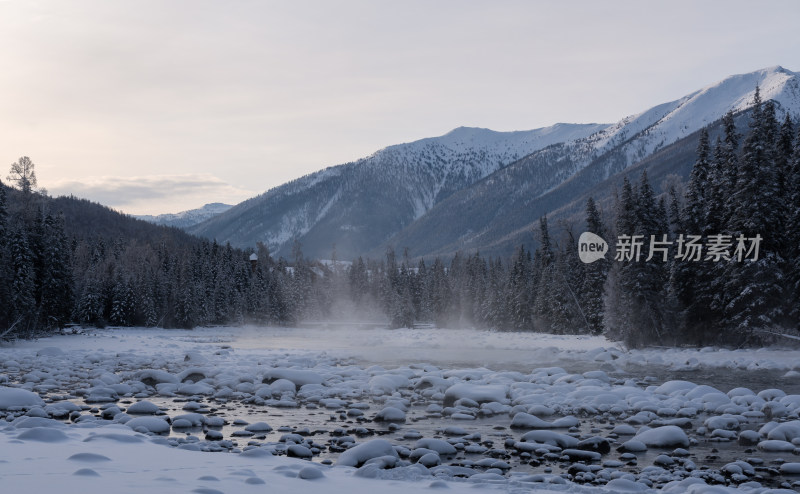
<point x="185" y="219"/>
<point x="359" y="205"/>
<point x="501" y="211"/>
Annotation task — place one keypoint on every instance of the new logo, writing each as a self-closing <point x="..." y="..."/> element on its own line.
<point x="591" y="247"/>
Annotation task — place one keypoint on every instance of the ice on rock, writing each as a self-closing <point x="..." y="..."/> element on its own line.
<point x="633" y="445"/>
<point x="193" y="419"/>
<point x="298" y="376"/>
<point x="151" y="377"/>
<point x="429" y="460"/>
<point x="476" y="392"/>
<point x="310" y="473"/>
<point x="15" y="397"/>
<point x="771" y="394"/>
<point x="43" y="434"/>
<point x="281" y="386"/>
<point x="438" y="445"/>
<point x="791" y="468"/>
<point x="50" y="351"/>
<point x="101" y="394"/>
<point x="298" y="451"/>
<point x="86" y="472"/>
<point x="360" y="454"/>
<point x="195" y="389"/>
<point x="31" y="422"/>
<point x="668" y="436"/>
<point x="155" y="425"/>
<point x="787" y="431"/>
<point x="553" y="438"/>
<point x="391" y="414"/>
<point x="387" y="383"/>
<point x="775" y="445"/>
<point x="89" y="457"/>
<point x="258" y="427"/>
<point x="143" y="407"/>
<point x="626" y="485"/>
<point x="525" y="420"/>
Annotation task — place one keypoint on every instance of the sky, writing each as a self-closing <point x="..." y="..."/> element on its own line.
<point x="154" y="106"/>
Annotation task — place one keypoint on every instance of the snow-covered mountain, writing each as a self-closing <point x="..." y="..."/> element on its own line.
<point x="504" y="208"/>
<point x="185" y="219"/>
<point x="474" y="188"/>
<point x="357" y="206"/>
<point x="638" y="136"/>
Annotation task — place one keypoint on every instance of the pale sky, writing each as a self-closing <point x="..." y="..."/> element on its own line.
<point x="160" y="106"/>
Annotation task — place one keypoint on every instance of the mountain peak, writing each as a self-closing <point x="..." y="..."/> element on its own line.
<point x="187" y="218"/>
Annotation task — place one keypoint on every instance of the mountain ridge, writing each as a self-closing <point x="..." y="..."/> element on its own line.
<point x="186" y="218"/>
<point x="470" y="187"/>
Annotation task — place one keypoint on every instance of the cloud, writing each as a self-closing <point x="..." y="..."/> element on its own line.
<point x="152" y="193"/>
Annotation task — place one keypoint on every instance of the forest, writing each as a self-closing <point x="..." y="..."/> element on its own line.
<point x="67" y="261"/>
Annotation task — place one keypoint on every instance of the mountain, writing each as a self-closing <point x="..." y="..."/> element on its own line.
<point x="358" y="206"/>
<point x="475" y="189"/>
<point x="185" y="219"/>
<point x="500" y="212"/>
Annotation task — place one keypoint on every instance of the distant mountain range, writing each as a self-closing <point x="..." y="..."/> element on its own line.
<point x="476" y="189"/>
<point x="185" y="219"/>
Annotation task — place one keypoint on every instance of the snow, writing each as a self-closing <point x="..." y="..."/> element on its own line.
<point x="341" y="379"/>
<point x="148" y="424"/>
<point x="364" y="452"/>
<point x="479" y="394"/>
<point x="12" y="397"/>
<point x="143" y="407"/>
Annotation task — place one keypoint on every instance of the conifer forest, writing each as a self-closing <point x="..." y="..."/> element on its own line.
<point x="741" y="186"/>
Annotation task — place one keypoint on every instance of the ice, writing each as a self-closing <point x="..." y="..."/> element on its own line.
<point x="258" y="427"/>
<point x="791" y="468"/>
<point x="143" y="407"/>
<point x="298" y="376"/>
<point x="477" y="393"/>
<point x="525" y="420"/>
<point x="148" y="424"/>
<point x="248" y="382"/>
<point x="663" y="437"/>
<point x="391" y="414"/>
<point x="787" y="431"/>
<point x="438" y="445"/>
<point x="360" y="454"/>
<point x="776" y="445"/>
<point x="14" y="397"/>
<point x="43" y="434"/>
<point x="89" y="457"/>
<point x="152" y="377"/>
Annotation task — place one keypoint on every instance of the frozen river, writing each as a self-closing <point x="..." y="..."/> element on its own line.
<point x="451" y="405"/>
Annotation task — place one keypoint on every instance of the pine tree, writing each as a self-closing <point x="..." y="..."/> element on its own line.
<point x="5" y="264"/>
<point x="691" y="281"/>
<point x="793" y="235"/>
<point x="729" y="164"/>
<point x="56" y="282"/>
<point x="23" y="299"/>
<point x="753" y="289"/>
<point x="592" y="291"/>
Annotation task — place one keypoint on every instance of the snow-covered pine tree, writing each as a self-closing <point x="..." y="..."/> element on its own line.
<point x="591" y="293"/>
<point x="793" y="235"/>
<point x="691" y="281"/>
<point x="729" y="166"/>
<point x="650" y="276"/>
<point x="23" y="284"/>
<point x="5" y="264"/>
<point x="618" y="302"/>
<point x="56" y="282"/>
<point x="753" y="289"/>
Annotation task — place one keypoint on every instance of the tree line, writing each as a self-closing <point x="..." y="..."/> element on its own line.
<point x="740" y="186"/>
